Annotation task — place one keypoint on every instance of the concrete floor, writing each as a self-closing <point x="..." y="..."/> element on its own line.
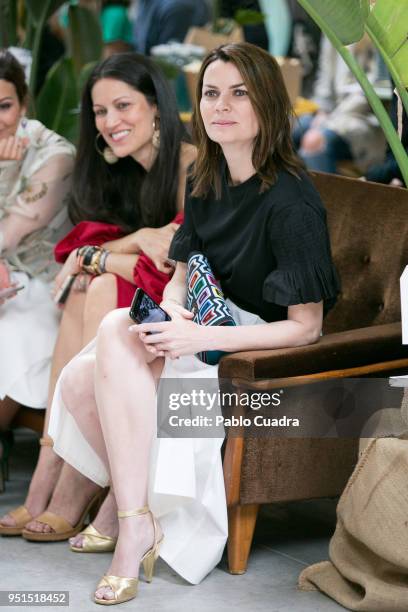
<point x="288" y="538"/>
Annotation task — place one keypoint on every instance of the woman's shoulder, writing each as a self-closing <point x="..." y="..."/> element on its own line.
<point x="41" y="138"/>
<point x="295" y="191"/>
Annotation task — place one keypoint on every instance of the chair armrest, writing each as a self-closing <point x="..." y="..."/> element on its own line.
<point x="348" y="349"/>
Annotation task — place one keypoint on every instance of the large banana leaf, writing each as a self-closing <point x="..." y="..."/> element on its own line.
<point x="84" y="76"/>
<point x="41" y="10"/>
<point x="387" y="25"/>
<point x="85" y="37"/>
<point x="38" y="11"/>
<point x="57" y="102"/>
<point x="8" y="23"/>
<point x="345" y="18"/>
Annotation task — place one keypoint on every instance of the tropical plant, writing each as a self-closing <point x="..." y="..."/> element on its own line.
<point x="385" y="21"/>
<point x="57" y="103"/>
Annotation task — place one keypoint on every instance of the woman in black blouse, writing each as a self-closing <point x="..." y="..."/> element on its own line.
<point x="253" y="211"/>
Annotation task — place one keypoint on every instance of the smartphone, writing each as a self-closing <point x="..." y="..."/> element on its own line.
<point x="62" y="295"/>
<point x="145" y="310"/>
<point x="8" y="291"/>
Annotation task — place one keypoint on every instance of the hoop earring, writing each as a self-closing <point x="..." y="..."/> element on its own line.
<point x="156" y="135"/>
<point x="107" y="154"/>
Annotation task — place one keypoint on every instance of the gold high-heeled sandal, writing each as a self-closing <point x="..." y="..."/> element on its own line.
<point x="123" y="588"/>
<point x="21" y="515"/>
<point x="94" y="542"/>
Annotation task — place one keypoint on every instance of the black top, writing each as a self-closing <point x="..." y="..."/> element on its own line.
<point x="269" y="250"/>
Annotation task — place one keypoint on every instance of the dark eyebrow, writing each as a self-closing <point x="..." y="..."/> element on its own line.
<point x="115" y="100"/>
<point x="232" y="86"/>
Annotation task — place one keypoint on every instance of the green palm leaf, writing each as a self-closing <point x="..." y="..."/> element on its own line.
<point x="85" y="36"/>
<point x="345" y="18"/>
<point x="57" y="102"/>
<point x="41" y="10"/>
<point x="38" y="12"/>
<point x="387" y="25"/>
<point x="8" y="23"/>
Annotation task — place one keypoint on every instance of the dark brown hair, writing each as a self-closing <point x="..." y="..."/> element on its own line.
<point x="273" y="149"/>
<point x="12" y="71"/>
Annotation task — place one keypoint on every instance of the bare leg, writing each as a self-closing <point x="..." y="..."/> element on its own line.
<point x="49" y="465"/>
<point x="128" y="418"/>
<point x="8" y="410"/>
<point x="73" y="490"/>
<point x="101" y="299"/>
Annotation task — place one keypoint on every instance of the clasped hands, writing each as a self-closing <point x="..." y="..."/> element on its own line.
<point x="175" y="338"/>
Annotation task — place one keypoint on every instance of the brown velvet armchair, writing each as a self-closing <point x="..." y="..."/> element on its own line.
<point x="368" y="225"/>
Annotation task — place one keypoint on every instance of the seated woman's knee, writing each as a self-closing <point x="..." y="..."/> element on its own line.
<point x="113" y="331"/>
<point x="114" y="323"/>
<point x="100" y="286"/>
<point x="77" y="382"/>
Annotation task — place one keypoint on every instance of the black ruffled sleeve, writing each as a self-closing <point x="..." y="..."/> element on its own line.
<point x="304" y="268"/>
<point x="185" y="240"/>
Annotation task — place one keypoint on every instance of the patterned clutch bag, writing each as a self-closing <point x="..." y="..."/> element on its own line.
<point x="206" y="300"/>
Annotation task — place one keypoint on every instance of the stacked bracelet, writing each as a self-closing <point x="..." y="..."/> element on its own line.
<point x="92" y="259"/>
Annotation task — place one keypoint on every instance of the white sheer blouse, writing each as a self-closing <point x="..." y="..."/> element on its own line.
<point x="33" y="198"/>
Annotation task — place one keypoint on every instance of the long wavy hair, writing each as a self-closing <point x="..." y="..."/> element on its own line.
<point x="273" y="149"/>
<point x="124" y="193"/>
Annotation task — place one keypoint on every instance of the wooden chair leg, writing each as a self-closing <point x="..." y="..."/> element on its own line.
<point x="241" y="526"/>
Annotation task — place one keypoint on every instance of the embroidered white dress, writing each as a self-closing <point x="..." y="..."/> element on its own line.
<point x="34" y="190"/>
<point x="186" y="491"/>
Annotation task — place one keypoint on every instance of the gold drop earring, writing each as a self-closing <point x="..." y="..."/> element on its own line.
<point x="107" y="154"/>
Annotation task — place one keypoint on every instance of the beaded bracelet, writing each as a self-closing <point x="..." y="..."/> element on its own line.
<point x="92" y="259"/>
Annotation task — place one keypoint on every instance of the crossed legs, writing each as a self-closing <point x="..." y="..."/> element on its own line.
<point x="112" y="396"/>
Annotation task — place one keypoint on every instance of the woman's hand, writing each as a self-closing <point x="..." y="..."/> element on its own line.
<point x="155" y="243"/>
<point x="175" y="310"/>
<point x="173" y="338"/>
<point x="12" y="148"/>
<point x="71" y="266"/>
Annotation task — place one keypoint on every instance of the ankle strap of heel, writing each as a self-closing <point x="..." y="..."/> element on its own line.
<point x="46" y="442"/>
<point x="137" y="512"/>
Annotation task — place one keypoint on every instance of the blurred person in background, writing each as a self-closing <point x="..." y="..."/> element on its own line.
<point x="388" y="171"/>
<point x="255" y="34"/>
<point x="159" y="21"/>
<point x="344" y="128"/>
<point x="305" y="45"/>
<point x="114" y="21"/>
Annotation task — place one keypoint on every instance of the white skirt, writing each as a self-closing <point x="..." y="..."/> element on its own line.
<point x="186" y="491"/>
<point x="28" y="331"/>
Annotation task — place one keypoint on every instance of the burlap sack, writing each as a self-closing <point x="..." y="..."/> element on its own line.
<point x="368" y="567"/>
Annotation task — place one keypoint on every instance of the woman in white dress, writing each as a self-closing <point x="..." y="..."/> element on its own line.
<point x="255" y="214"/>
<point x="35" y="170"/>
<point x="128" y="193"/>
